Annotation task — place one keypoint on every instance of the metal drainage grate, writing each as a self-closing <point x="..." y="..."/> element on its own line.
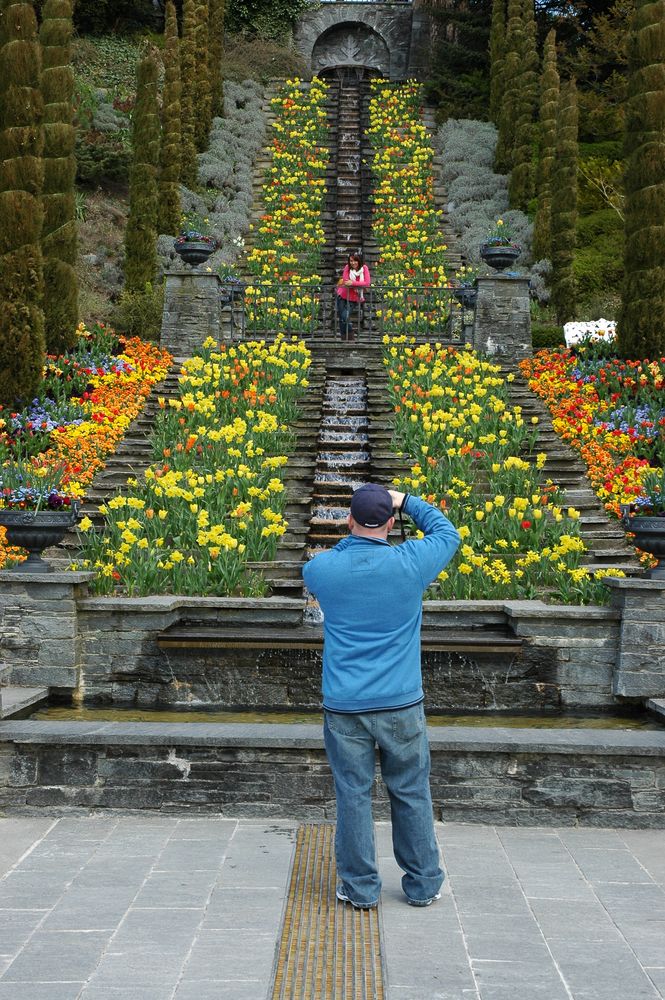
<point x="328" y="950"/>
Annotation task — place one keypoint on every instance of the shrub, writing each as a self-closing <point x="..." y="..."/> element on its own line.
<point x="139" y="314"/>
<point x="259" y="59"/>
<point x="103" y="156"/>
<point x="546" y="335"/>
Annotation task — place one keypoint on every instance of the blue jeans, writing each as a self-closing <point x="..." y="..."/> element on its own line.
<point x="401" y="737"/>
<point x="344" y="316"/>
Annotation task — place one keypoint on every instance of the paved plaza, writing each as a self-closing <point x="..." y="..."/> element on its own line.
<point x="127" y="907"/>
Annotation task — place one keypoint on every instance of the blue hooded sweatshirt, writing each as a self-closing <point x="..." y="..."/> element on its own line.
<point x="371" y="595"/>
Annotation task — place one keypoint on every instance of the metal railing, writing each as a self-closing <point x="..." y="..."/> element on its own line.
<point x="263" y="310"/>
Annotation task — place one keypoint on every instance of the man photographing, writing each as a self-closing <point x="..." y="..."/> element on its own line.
<point x="371" y="594"/>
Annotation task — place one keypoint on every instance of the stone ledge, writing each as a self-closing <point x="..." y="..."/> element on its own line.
<point x="476" y="739"/>
<point x="79" y="576"/>
<point x="175" y="602"/>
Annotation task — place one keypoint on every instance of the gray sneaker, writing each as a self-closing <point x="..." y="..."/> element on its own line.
<point x="423" y="902"/>
<point x="343" y="898"/>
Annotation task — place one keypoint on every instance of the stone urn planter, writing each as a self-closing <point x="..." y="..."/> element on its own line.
<point x="36" y="530"/>
<point x="499" y="256"/>
<point x="193" y="251"/>
<point x="649" y="536"/>
<point x="466" y="295"/>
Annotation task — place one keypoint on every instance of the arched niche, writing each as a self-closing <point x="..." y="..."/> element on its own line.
<point x="350" y="44"/>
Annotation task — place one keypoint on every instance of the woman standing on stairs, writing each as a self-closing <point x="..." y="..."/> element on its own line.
<point x="350" y="294"/>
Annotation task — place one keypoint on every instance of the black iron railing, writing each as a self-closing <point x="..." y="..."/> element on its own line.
<point x="263" y="310"/>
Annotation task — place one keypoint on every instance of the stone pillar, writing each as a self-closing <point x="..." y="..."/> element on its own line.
<point x="192" y="311"/>
<point x="39" y="634"/>
<point x="502" y="327"/>
<point x="639" y="670"/>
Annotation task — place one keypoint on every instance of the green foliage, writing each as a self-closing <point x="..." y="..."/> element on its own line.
<point x="549" y="101"/>
<point x="98" y="16"/>
<point x="169" y="175"/>
<point x="598" y="263"/>
<point x="546" y="335"/>
<point x="272" y="19"/>
<point x="459" y="67"/>
<point x="503" y="160"/>
<point x="203" y="95"/>
<point x="521" y="186"/>
<point x="188" y="106"/>
<point x="602" y="183"/>
<point x="21" y="214"/>
<point x="139" y="313"/>
<point x="497" y="56"/>
<point x="564" y="206"/>
<point x="59" y="230"/>
<point x="103" y="156"/>
<point x="641" y="327"/>
<point x="260" y="59"/>
<point x="141" y="234"/>
<point x="216" y="52"/>
<point x="109" y="63"/>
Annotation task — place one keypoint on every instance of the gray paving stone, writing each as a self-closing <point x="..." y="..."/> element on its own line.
<point x="17" y="836"/>
<point x="531" y="991"/>
<point x="110" y="871"/>
<point x="57" y="957"/>
<point x="646" y="939"/>
<point x="84" y="909"/>
<point x="189" y="889"/>
<point x="191" y="855"/>
<point x="79" y="829"/>
<point x="627" y="902"/>
<point x="16" y="926"/>
<point x="217" y="990"/>
<point x="526" y="976"/>
<point x="231" y="954"/>
<point x="587" y="919"/>
<point x="39" y="991"/>
<point x="607" y="971"/>
<point x="657" y="977"/>
<point x="205" y="829"/>
<point x="31" y="890"/>
<point x="475" y="896"/>
<point x="610" y="865"/>
<point x="245" y="907"/>
<point x="128" y="993"/>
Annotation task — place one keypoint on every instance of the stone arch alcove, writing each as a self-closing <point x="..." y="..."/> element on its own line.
<point x="378" y="36"/>
<point x="350" y="44"/>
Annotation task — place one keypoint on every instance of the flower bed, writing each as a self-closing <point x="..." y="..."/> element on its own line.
<point x="213" y="499"/>
<point x="62" y="439"/>
<point x="475" y="460"/>
<point x="405" y="222"/>
<point x="611" y="411"/>
<point x="290" y="236"/>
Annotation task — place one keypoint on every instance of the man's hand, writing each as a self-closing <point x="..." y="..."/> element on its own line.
<point x="397" y="498"/>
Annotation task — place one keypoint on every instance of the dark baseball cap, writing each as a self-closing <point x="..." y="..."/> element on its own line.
<point x="371" y="505"/>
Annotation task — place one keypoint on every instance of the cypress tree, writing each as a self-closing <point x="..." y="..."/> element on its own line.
<point x="521" y="185"/>
<point x="216" y="49"/>
<point x="21" y="212"/>
<point x="549" y="99"/>
<point x="141" y="234"/>
<point x="503" y="159"/>
<point x="497" y="58"/>
<point x="203" y="119"/>
<point x="59" y="230"/>
<point x="188" y="107"/>
<point x="641" y="325"/>
<point x="169" y="175"/>
<point x="564" y="205"/>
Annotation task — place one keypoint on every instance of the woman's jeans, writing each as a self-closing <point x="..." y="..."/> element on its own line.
<point x="344" y="307"/>
<point x="401" y="737"/>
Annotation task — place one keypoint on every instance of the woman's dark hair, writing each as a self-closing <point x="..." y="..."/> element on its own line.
<point x="356" y="256"/>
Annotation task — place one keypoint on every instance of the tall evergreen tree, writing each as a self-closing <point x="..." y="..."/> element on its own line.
<point x="641" y="325"/>
<point x="169" y="174"/>
<point x="21" y="212"/>
<point x="549" y="100"/>
<point x="564" y="205"/>
<point x="141" y="233"/>
<point x="521" y="186"/>
<point x="503" y="159"/>
<point x="188" y="106"/>
<point x="203" y="118"/>
<point x="216" y="49"/>
<point x="59" y="230"/>
<point x="497" y="58"/>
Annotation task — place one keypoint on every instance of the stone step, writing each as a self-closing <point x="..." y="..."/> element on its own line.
<point x="16" y="700"/>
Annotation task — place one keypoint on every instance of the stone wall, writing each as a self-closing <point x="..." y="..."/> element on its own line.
<point x="362" y="34"/>
<point x="502" y="327"/>
<point x="192" y="311"/>
<point x="497" y="776"/>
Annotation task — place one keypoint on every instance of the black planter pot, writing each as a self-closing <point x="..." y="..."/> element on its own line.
<point x="650" y="537"/>
<point x="466" y="295"/>
<point x="194" y="251"/>
<point x="36" y="530"/>
<point x="499" y="257"/>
